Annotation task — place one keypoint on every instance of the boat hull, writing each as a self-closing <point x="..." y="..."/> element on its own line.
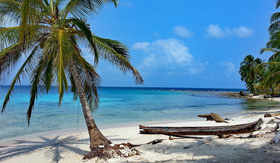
<point x="213" y="130"/>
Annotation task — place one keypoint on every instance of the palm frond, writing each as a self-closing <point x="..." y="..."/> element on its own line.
<point x="87" y="34"/>
<point x="275" y="17"/>
<point x="34" y="91"/>
<point x="17" y="77"/>
<point x="10" y="11"/>
<point x="90" y="80"/>
<point x="30" y="19"/>
<point x="9" y="57"/>
<point x="267" y="50"/>
<point x="116" y="53"/>
<point x="82" y="8"/>
<point x="277" y="3"/>
<point x="8" y="36"/>
<point x="61" y="77"/>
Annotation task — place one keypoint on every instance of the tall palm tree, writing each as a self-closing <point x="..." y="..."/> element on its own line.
<point x="275" y="20"/>
<point x="272" y="79"/>
<point x="49" y="34"/>
<point x="249" y="72"/>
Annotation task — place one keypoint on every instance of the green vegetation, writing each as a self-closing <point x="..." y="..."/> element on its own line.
<point x="250" y="72"/>
<point x="49" y="34"/>
<point x="263" y="77"/>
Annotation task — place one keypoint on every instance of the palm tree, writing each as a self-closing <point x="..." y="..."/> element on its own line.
<point x="272" y="79"/>
<point x="275" y="20"/>
<point x="49" y="34"/>
<point x="249" y="72"/>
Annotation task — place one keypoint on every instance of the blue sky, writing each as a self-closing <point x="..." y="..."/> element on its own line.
<point x="184" y="43"/>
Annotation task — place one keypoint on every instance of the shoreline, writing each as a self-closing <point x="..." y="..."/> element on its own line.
<point x="127" y="125"/>
<point x="64" y="132"/>
<point x="69" y="146"/>
<point x="257" y="97"/>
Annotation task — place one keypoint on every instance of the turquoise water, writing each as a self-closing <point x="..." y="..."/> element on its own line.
<point x="118" y="106"/>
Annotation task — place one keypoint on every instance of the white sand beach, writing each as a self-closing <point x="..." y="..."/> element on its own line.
<point x="66" y="147"/>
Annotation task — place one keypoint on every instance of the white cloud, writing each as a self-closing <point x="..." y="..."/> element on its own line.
<point x="243" y="31"/>
<point x="183" y="32"/>
<point x="150" y="61"/>
<point x="174" y="50"/>
<point x="141" y="45"/>
<point x="229" y="68"/>
<point x="169" y="55"/>
<point x="216" y="31"/>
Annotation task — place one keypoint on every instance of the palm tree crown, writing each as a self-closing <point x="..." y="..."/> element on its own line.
<point x="50" y="33"/>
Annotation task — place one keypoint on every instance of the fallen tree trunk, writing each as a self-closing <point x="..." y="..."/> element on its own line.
<point x="213" y="117"/>
<point x="211" y="130"/>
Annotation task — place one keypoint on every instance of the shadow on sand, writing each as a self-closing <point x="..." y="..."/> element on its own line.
<point x="56" y="147"/>
<point x="216" y="151"/>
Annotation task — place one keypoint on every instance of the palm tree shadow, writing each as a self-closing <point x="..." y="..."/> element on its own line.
<point x="217" y="151"/>
<point x="56" y="147"/>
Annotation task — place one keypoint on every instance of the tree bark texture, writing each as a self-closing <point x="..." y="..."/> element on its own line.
<point x="95" y="136"/>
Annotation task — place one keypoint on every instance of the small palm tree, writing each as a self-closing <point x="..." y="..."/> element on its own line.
<point x="50" y="33"/>
<point x="249" y="72"/>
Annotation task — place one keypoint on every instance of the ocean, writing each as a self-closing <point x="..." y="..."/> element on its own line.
<point x="119" y="106"/>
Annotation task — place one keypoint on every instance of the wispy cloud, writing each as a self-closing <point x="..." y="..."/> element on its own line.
<point x="229" y="68"/>
<point x="141" y="45"/>
<point x="169" y="55"/>
<point x="243" y="31"/>
<point x="214" y="30"/>
<point x="182" y="32"/>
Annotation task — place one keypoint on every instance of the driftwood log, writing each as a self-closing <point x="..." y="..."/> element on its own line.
<point x="271" y="114"/>
<point x="213" y="117"/>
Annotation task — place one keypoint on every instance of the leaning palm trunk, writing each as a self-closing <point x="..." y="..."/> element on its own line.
<point x="95" y="136"/>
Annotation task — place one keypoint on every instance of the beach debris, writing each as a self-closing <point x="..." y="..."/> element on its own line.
<point x="116" y="151"/>
<point x="213" y="117"/>
<point x="271" y="115"/>
<point x="171" y="137"/>
<point x="224" y="136"/>
<point x="155" y="141"/>
<point x="127" y="152"/>
<point x="277" y="136"/>
<point x="112" y="145"/>
<point x="101" y="146"/>
<point x="267" y="96"/>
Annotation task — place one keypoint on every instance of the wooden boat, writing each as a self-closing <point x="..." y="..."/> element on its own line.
<point x="211" y="130"/>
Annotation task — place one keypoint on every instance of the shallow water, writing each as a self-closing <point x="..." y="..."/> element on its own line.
<point x="118" y="106"/>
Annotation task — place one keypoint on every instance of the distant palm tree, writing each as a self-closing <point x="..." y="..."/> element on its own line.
<point x="249" y="72"/>
<point x="49" y="34"/>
